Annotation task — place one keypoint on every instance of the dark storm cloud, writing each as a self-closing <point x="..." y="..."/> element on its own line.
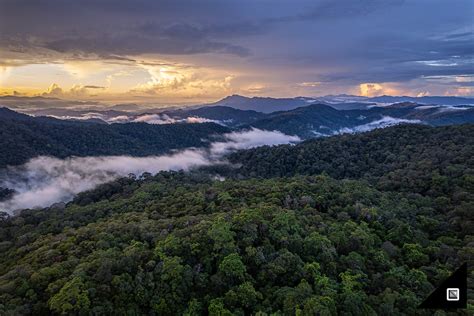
<point x="134" y="44"/>
<point x="339" y="9"/>
<point x="116" y="27"/>
<point x="364" y="41"/>
<point x="348" y="41"/>
<point x="165" y="27"/>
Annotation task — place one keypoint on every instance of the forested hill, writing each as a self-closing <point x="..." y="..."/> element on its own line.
<point x="23" y="137"/>
<point x="411" y="158"/>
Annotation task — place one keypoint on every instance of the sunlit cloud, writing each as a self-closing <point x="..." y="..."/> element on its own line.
<point x="83" y="69"/>
<point x="111" y="78"/>
<point x="423" y="94"/>
<point x="76" y="91"/>
<point x="461" y="91"/>
<point x="310" y="84"/>
<point x="4" y="73"/>
<point x="255" y="89"/>
<point x="183" y="81"/>
<point x="376" y="89"/>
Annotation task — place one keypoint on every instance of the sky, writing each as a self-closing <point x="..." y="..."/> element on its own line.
<point x="188" y="52"/>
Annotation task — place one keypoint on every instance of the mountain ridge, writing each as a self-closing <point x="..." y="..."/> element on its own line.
<point x="24" y="137"/>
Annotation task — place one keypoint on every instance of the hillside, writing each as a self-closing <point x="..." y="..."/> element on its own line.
<point x="317" y="120"/>
<point x="182" y="243"/>
<point x="401" y="158"/>
<point x="23" y="137"/>
<point x="227" y="115"/>
<point x="307" y="122"/>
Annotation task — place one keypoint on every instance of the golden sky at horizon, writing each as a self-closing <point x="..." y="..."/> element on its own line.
<point x="165" y="82"/>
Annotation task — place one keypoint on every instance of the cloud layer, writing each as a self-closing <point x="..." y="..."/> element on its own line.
<point x="208" y="49"/>
<point x="46" y="180"/>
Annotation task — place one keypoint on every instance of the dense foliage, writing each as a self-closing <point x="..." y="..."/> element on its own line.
<point x="23" y="137"/>
<point x="284" y="243"/>
<point x="433" y="161"/>
<point x="174" y="244"/>
<point x="382" y="155"/>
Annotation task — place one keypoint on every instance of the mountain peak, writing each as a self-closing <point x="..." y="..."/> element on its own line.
<point x="233" y="98"/>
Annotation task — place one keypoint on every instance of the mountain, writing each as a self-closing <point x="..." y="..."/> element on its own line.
<point x="23" y="137"/>
<point x="442" y="115"/>
<point x="427" y="114"/>
<point x="388" y="99"/>
<point x="306" y="122"/>
<point x="227" y="115"/>
<point x="323" y="120"/>
<point x="224" y="115"/>
<point x="340" y="102"/>
<point x="440" y="100"/>
<point x="365" y="224"/>
<point x="260" y="104"/>
<point x="310" y="120"/>
<point x="39" y="102"/>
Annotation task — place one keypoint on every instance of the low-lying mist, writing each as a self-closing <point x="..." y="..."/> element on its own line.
<point x="47" y="180"/>
<point x="384" y="122"/>
<point x="158" y="119"/>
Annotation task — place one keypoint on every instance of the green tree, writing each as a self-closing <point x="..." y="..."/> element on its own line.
<point x="72" y="298"/>
<point x="232" y="267"/>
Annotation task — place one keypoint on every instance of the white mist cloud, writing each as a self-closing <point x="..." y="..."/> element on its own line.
<point x="154" y="119"/>
<point x="385" y="121"/>
<point x="444" y="108"/>
<point x="119" y="119"/>
<point x="85" y="116"/>
<point x="251" y="138"/>
<point x="137" y="118"/>
<point x="159" y="119"/>
<point x="427" y="107"/>
<point x="166" y="119"/>
<point x="47" y="180"/>
<point x="197" y="119"/>
<point x="453" y="108"/>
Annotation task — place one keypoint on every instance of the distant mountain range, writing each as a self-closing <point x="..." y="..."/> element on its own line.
<point x="341" y="102"/>
<point x="323" y="119"/>
<point x="301" y="116"/>
<point x="261" y="104"/>
<point x="258" y="104"/>
<point x="226" y="115"/>
<point x="446" y="100"/>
